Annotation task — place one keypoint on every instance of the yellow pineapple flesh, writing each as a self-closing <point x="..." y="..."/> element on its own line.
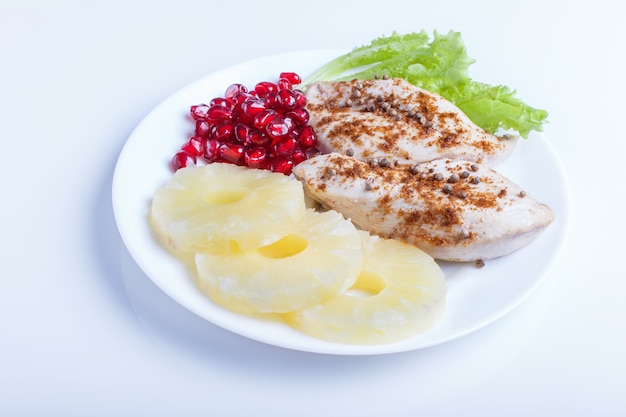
<point x="399" y="293"/>
<point x="318" y="259"/>
<point x="219" y="207"/>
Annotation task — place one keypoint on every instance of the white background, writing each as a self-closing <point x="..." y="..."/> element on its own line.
<point x="83" y="332"/>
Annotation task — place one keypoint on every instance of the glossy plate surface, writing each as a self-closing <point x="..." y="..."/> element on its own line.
<point x="476" y="297"/>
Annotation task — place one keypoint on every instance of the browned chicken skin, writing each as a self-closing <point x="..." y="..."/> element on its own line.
<point x="397" y="121"/>
<point x="451" y="209"/>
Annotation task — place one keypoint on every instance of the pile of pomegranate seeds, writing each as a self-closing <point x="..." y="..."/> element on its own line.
<point x="265" y="128"/>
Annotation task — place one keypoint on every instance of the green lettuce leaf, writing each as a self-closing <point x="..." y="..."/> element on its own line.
<point x="439" y="65"/>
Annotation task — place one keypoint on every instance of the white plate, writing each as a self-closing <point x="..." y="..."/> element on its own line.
<point x="476" y="297"/>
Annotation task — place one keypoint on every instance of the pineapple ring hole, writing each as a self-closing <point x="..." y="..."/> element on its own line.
<point x="285" y="247"/>
<point x="226" y="195"/>
<point x="368" y="284"/>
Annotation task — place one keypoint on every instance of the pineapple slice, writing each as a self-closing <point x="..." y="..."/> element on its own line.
<point x="213" y="208"/>
<point x="400" y="293"/>
<point x="319" y="258"/>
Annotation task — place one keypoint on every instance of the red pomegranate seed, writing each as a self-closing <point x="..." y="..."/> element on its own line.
<point x="300" y="98"/>
<point x="219" y="113"/>
<point x="298" y="156"/>
<point x="264" y="117"/>
<point x="195" y="146"/>
<point x="222" y="131"/>
<point x="300" y="116"/>
<point x="286" y="99"/>
<point x="255" y="157"/>
<point x="239" y="98"/>
<point x="285" y="146"/>
<point x="292" y="77"/>
<point x="221" y="101"/>
<point x="212" y="150"/>
<point x="265" y="87"/>
<point x="284" y="84"/>
<point x="252" y="107"/>
<point x="291" y="124"/>
<point x="256" y="138"/>
<point x="181" y="160"/>
<point x="203" y="128"/>
<point x="307" y="138"/>
<point x="199" y="111"/>
<point x="281" y="164"/>
<point x="277" y="128"/>
<point x="231" y="152"/>
<point x="270" y="100"/>
<point x="234" y="89"/>
<point x="241" y="132"/>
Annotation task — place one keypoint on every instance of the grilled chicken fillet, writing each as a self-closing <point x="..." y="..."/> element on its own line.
<point x="393" y="119"/>
<point x="451" y="209"/>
